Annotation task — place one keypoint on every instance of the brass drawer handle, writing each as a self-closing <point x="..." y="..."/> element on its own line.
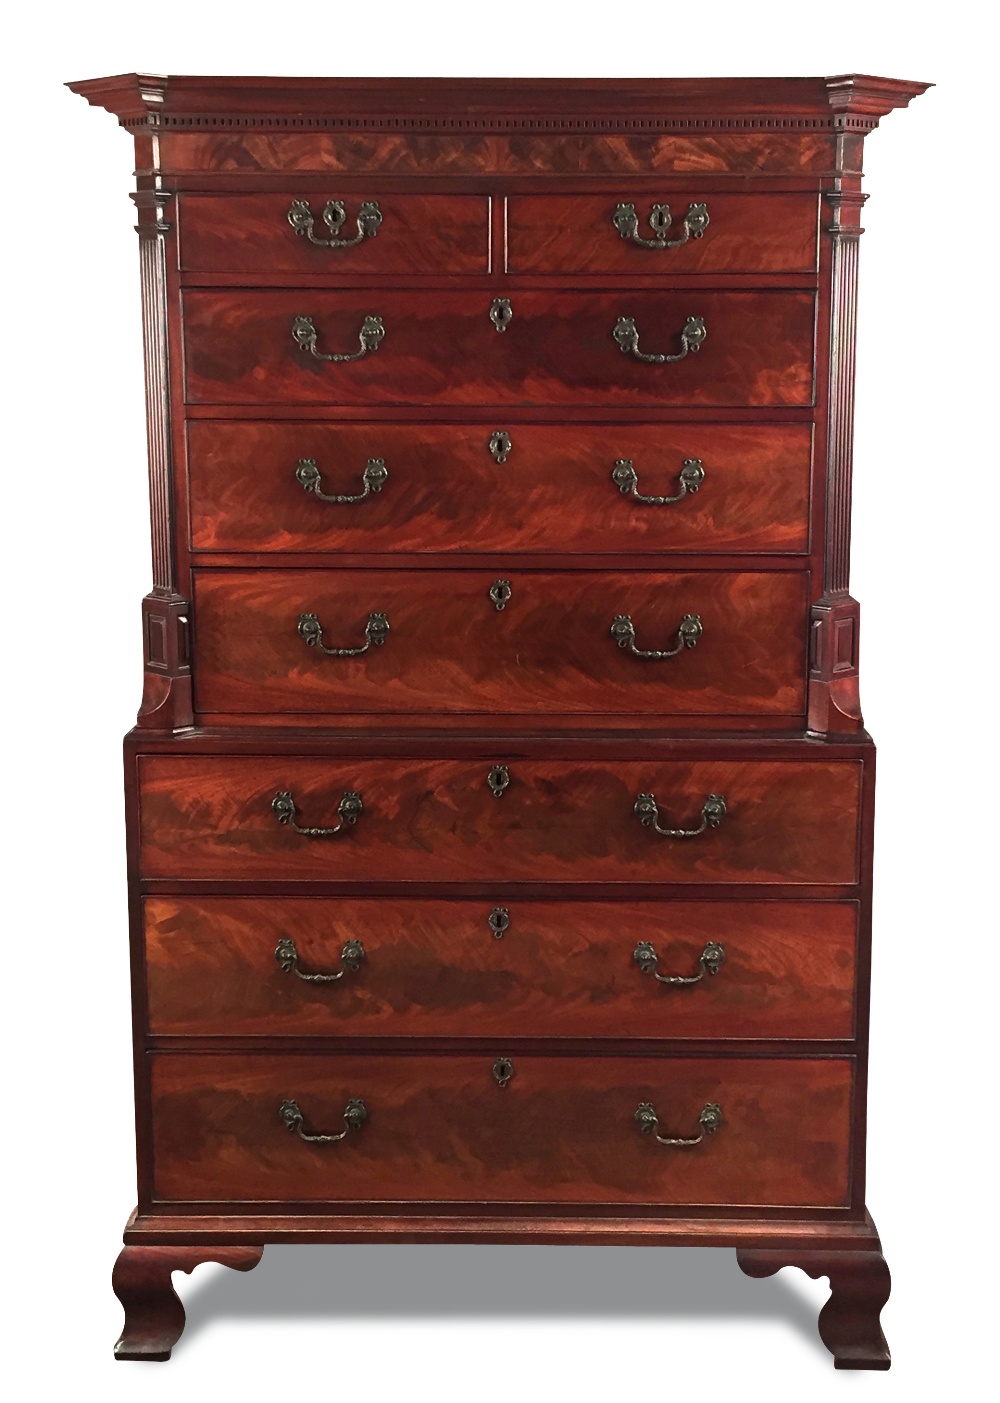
<point x="709" y="1120"/>
<point x="305" y="336"/>
<point x="355" y="1115"/>
<point x="710" y="961"/>
<point x="627" y="336"/>
<point x="712" y="813"/>
<point x="689" y="630"/>
<point x="694" y="224"/>
<point x="351" y="957"/>
<point x="625" y="478"/>
<point x="303" y="221"/>
<point x="350" y="809"/>
<point x="311" y="632"/>
<point x="373" y="478"/>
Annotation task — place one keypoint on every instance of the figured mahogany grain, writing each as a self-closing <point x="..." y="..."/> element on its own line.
<point x="442" y="348"/>
<point x="440" y="1128"/>
<point x="449" y="649"/>
<point x="418" y="234"/>
<point x="746" y="233"/>
<point x="437" y="820"/>
<point x="414" y="154"/>
<point x="433" y="968"/>
<point x="445" y="492"/>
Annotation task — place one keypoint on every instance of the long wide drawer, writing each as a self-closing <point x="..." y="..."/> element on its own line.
<point x="439" y="820"/>
<point x="247" y="347"/>
<point x="384" y="967"/>
<point x="519" y="487"/>
<point x="442" y="1128"/>
<point x="388" y="234"/>
<point x="453" y="644"/>
<point x="633" y="234"/>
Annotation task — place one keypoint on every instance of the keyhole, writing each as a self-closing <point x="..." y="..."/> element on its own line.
<point x="501" y="313"/>
<point x="500" y="445"/>
<point x="503" y="1070"/>
<point x="498" y="779"/>
<point x="500" y="593"/>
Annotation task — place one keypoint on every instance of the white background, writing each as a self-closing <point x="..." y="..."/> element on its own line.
<point x="489" y="1323"/>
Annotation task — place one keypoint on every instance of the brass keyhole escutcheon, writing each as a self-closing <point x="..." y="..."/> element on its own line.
<point x="499" y="921"/>
<point x="500" y="593"/>
<point x="498" y="779"/>
<point x="500" y="445"/>
<point x="501" y="313"/>
<point x="503" y="1070"/>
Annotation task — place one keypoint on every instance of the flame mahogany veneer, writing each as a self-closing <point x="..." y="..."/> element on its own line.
<point x="553" y="493"/>
<point x="491" y="1002"/>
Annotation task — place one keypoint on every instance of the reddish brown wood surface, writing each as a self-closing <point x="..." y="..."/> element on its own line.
<point x="441" y="1128"/>
<point x="439" y="821"/>
<point x="441" y="348"/>
<point x="784" y="1177"/>
<point x="828" y="1230"/>
<point x="552" y="105"/>
<point x="154" y="1316"/>
<point x="418" y="234"/>
<point x="849" y="1323"/>
<point x="445" y="491"/>
<point x="449" y="649"/>
<point x="746" y="233"/>
<point x="560" y="969"/>
<point x="761" y="153"/>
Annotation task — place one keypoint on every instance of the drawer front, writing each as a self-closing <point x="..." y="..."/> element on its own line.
<point x="438" y="820"/>
<point x="413" y="234"/>
<point x="442" y="348"/>
<point x="440" y="1128"/>
<point x="744" y="234"/>
<point x="449" y="649"/>
<point x="445" y="490"/>
<point x="222" y="966"/>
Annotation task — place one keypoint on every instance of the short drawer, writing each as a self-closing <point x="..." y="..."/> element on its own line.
<point x="441" y="1128"/>
<point x="338" y="234"/>
<point x="391" y="967"/>
<point x="439" y="821"/>
<point x="450" y="649"/>
<point x="630" y="233"/>
<point x="258" y="486"/>
<point x="442" y="348"/>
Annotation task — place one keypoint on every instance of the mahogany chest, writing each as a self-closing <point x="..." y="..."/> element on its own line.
<point x="500" y="806"/>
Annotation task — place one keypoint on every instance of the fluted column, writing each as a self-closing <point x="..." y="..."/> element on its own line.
<point x="166" y="698"/>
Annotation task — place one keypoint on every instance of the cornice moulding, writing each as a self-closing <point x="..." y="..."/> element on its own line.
<point x="852" y="102"/>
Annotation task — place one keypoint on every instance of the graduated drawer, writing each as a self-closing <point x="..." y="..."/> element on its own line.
<point x="439" y="821"/>
<point x="596" y="233"/>
<point x="384" y="967"/>
<point x="409" y="234"/>
<point x="449" y="649"/>
<point x="440" y="1127"/>
<point x="442" y="348"/>
<point x="445" y="490"/>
